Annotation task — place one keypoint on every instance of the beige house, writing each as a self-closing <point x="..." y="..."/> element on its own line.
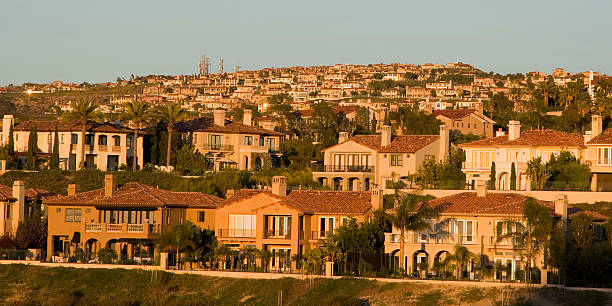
<point x="107" y="145"/>
<point x="127" y="219"/>
<point x="599" y="155"/>
<point x="288" y="222"/>
<point x="18" y="203"/>
<point x="470" y="219"/>
<point x="516" y="148"/>
<point x="466" y="121"/>
<point x="362" y="161"/>
<point x="232" y="145"/>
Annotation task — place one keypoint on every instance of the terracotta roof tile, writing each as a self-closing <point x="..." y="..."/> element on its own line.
<point x="71" y="126"/>
<point x="139" y="195"/>
<point x="314" y="201"/>
<point x="542" y="138"/>
<point x="492" y="204"/>
<point x="206" y="124"/>
<point x="6" y="193"/>
<point x="399" y="143"/>
<point x="603" y="138"/>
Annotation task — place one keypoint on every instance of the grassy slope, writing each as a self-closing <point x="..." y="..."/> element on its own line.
<point x="63" y="286"/>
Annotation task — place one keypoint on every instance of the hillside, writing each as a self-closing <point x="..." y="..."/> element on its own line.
<point x="33" y="285"/>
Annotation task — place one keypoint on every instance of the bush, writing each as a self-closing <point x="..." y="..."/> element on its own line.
<point x="107" y="255"/>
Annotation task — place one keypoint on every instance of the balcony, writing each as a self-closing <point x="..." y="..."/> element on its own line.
<point x="218" y="147"/>
<point x="316" y="235"/>
<point x="237" y="233"/>
<point x="276" y="234"/>
<point x="120" y="228"/>
<point x="342" y="168"/>
<point x="102" y="148"/>
<point x="116" y="149"/>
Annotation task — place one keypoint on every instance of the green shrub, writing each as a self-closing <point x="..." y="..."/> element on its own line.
<point x="107" y="255"/>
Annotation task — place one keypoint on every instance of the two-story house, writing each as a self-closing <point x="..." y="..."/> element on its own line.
<point x="361" y="161"/>
<point x="232" y="145"/>
<point x="288" y="222"/>
<point x="466" y="121"/>
<point x="107" y="145"/>
<point x="516" y="148"/>
<point x="471" y="220"/>
<point x="127" y="219"/>
<point x="599" y="155"/>
<point x="18" y="203"/>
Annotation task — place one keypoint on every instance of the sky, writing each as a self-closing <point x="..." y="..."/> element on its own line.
<point x="97" y="41"/>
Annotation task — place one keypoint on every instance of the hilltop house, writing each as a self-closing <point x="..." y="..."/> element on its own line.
<point x="107" y="145"/>
<point x="361" y="161"/>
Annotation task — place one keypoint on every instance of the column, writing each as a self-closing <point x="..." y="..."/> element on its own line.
<point x="345" y="184"/>
<point x="130" y="251"/>
<point x="356" y="185"/>
<point x="594" y="182"/>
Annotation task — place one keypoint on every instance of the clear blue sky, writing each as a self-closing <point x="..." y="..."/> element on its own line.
<point x="96" y="41"/>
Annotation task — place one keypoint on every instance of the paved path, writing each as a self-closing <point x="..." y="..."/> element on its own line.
<point x="256" y="275"/>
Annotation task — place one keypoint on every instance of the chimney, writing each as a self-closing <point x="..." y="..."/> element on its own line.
<point x="444" y="143"/>
<point x="279" y="186"/>
<point x="479" y="107"/>
<point x="71" y="189"/>
<point x="596" y="126"/>
<point x="587" y="137"/>
<point x="247" y="117"/>
<point x="561" y="207"/>
<point x="385" y="138"/>
<point x="342" y="137"/>
<point x="499" y="132"/>
<point x="481" y="188"/>
<point x="19" y="208"/>
<point x="7" y="122"/>
<point x="377" y="199"/>
<point x="219" y="116"/>
<point x="110" y="185"/>
<point x="514" y="129"/>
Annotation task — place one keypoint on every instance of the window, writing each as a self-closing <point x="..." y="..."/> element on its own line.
<point x="74" y="139"/>
<point x="73" y="215"/>
<point x="129" y="140"/>
<point x="49" y="138"/>
<point x="8" y="211"/>
<point x="271" y="143"/>
<point x="116" y="141"/>
<point x="146" y="217"/>
<point x="111" y="216"/>
<point x="242" y="225"/>
<point x="102" y="140"/>
<point x="604" y="156"/>
<point x="201" y="216"/>
<point x="279" y="226"/>
<point x="397" y="160"/>
<point x="261" y="141"/>
<point x="58" y="210"/>
<point x="62" y="138"/>
<point x="89" y="140"/>
<point x="326" y="225"/>
<point x="248" y="140"/>
<point x="215" y="141"/>
<point x="195" y="138"/>
<point x="467" y="230"/>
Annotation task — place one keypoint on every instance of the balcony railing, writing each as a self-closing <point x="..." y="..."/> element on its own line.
<point x="218" y="147"/>
<point x="316" y="235"/>
<point x="116" y="148"/>
<point x="342" y="168"/>
<point x="102" y="148"/>
<point x="276" y="234"/>
<point x="120" y="228"/>
<point x="237" y="233"/>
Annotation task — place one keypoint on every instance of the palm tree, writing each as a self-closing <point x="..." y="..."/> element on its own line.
<point x="137" y="112"/>
<point x="171" y="114"/>
<point x="409" y="217"/>
<point x="82" y="111"/>
<point x="461" y="258"/>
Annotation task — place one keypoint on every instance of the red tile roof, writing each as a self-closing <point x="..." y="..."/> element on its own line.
<point x="206" y="124"/>
<point x="71" y="126"/>
<point x="538" y="138"/>
<point x="603" y="138"/>
<point x="6" y="193"/>
<point x="456" y="114"/>
<point x="139" y="195"/>
<point x="314" y="201"/>
<point x="492" y="204"/>
<point x="399" y="143"/>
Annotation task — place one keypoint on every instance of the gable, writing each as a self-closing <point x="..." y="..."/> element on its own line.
<point x="349" y="146"/>
<point x="250" y="204"/>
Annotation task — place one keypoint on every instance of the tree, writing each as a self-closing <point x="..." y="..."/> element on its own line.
<point x="442" y="175"/>
<point x="461" y="258"/>
<point x="179" y="238"/>
<point x="31" y="233"/>
<point x="531" y="235"/>
<point x="512" y="177"/>
<point x="138" y="113"/>
<point x="54" y="163"/>
<point x="582" y="230"/>
<point x="538" y="173"/>
<point x="32" y="149"/>
<point x="492" y="175"/>
<point x="82" y="111"/>
<point x="408" y="217"/>
<point x="171" y="114"/>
